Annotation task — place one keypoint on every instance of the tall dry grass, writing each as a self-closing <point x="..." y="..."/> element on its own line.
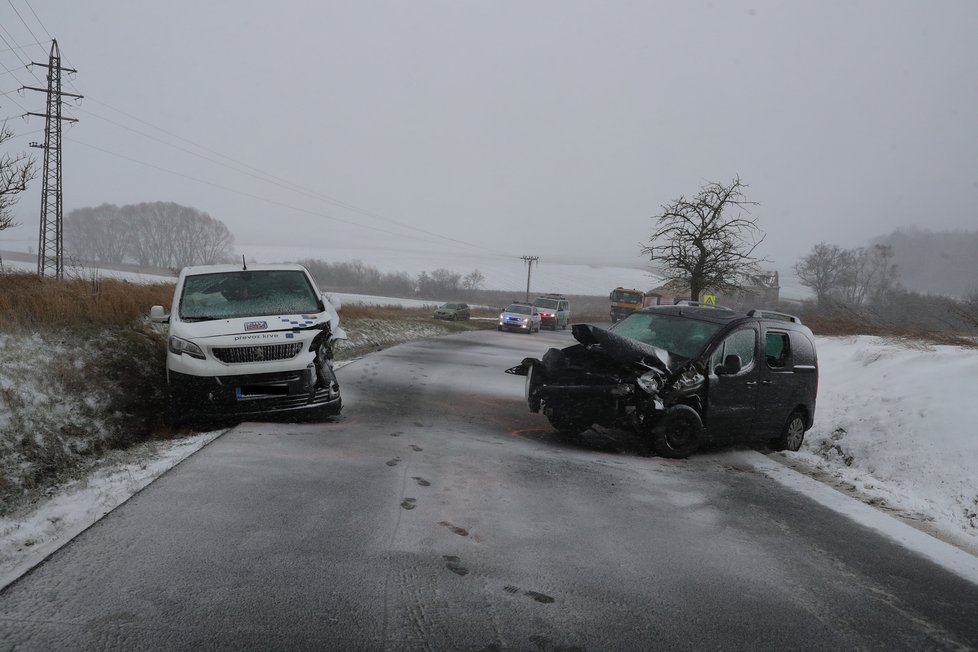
<point x="846" y="321"/>
<point x="83" y="375"/>
<point x="27" y="301"/>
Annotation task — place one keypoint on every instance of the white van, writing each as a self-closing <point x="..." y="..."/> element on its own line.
<point x="250" y="340"/>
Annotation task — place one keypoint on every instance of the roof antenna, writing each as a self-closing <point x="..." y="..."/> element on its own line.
<point x="244" y="265"/>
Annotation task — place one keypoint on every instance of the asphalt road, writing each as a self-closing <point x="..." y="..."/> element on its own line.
<point x="437" y="513"/>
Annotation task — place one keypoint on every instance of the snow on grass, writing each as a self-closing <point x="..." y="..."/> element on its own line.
<point x="896" y="423"/>
<point x="26" y="539"/>
<point x="367" y="300"/>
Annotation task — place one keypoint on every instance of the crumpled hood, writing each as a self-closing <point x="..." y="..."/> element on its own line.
<point x="680" y="376"/>
<point x="625" y="350"/>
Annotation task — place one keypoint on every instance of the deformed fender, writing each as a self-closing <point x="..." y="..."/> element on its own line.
<point x="523" y="368"/>
<point x="334" y="320"/>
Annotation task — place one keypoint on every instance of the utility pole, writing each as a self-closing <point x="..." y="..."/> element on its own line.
<point x="50" y="248"/>
<point x="529" y="260"/>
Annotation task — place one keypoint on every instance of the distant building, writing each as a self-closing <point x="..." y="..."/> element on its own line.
<point x="764" y="289"/>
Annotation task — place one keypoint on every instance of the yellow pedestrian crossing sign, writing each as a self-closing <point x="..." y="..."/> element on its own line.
<point x="710" y="299"/>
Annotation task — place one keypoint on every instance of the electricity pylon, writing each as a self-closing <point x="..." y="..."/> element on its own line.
<point x="50" y="247"/>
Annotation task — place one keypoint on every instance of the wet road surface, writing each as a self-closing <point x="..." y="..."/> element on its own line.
<point x="437" y="513"/>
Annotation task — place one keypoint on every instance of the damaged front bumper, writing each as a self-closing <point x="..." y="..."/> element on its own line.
<point x="290" y="394"/>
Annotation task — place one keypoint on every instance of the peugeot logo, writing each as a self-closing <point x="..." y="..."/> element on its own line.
<point x="257" y="353"/>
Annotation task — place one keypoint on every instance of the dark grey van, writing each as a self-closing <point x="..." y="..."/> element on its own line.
<point x="684" y="375"/>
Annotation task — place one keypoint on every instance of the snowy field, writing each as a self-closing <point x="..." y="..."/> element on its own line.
<point x="566" y="275"/>
<point x="502" y="272"/>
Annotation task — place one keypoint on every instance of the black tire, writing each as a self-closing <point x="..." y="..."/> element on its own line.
<point x="568" y="422"/>
<point x="792" y="433"/>
<point x="534" y="379"/>
<point x="679" y="433"/>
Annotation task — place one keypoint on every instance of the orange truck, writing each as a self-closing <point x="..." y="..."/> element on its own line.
<point x="625" y="301"/>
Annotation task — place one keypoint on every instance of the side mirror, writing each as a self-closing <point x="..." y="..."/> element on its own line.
<point x="731" y="365"/>
<point x="157" y="315"/>
<point x="333" y="300"/>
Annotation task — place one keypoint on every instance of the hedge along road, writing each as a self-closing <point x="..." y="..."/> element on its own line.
<point x="438" y="513"/>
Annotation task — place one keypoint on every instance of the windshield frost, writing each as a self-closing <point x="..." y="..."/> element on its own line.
<point x="682" y="336"/>
<point x="247" y="294"/>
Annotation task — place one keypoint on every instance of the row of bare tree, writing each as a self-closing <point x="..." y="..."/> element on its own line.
<point x="855" y="277"/>
<point x="157" y="234"/>
<point x="357" y="276"/>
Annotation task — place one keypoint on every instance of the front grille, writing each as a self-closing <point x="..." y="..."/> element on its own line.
<point x="264" y="353"/>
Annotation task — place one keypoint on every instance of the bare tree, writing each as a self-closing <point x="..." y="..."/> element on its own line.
<point x="871" y="273"/>
<point x="96" y="234"/>
<point x="707" y="241"/>
<point x="824" y="270"/>
<point x="439" y="282"/>
<point x="159" y="234"/>
<point x="473" y="280"/>
<point x="16" y="171"/>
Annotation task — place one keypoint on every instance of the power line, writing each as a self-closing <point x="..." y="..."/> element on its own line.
<point x="24" y="21"/>
<point x="277" y="181"/>
<point x="238" y="192"/>
<point x="36" y="40"/>
<point x="25" y="134"/>
<point x="26" y="64"/>
<point x="26" y="2"/>
<point x="242" y="168"/>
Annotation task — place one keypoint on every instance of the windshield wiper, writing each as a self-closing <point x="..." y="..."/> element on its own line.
<point x="205" y="318"/>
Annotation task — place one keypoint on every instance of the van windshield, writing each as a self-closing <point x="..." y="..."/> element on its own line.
<point x="225" y="295"/>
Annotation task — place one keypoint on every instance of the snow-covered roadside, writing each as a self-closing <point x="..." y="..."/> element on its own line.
<point x="27" y="539"/>
<point x="895" y="426"/>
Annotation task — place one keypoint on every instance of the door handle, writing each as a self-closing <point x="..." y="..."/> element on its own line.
<point x="767" y="382"/>
<point x="751" y="383"/>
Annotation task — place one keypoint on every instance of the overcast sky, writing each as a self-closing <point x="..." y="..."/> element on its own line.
<point x="553" y="128"/>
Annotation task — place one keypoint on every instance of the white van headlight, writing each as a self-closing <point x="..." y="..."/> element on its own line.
<point x="179" y="347"/>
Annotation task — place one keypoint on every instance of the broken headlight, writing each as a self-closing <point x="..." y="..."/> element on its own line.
<point x="650" y="382"/>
